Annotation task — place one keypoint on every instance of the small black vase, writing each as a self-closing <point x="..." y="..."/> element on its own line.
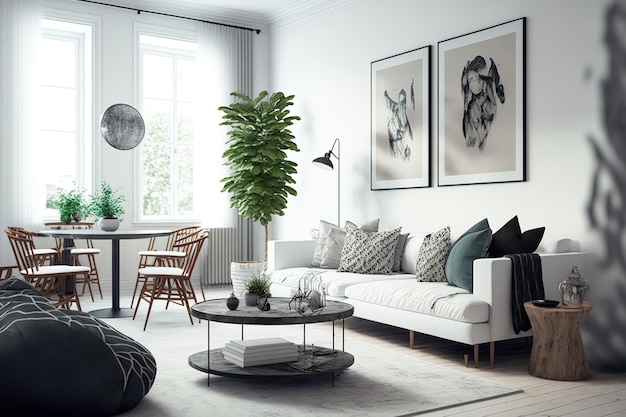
<point x="232" y="302"/>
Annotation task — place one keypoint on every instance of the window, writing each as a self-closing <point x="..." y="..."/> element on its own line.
<point x="64" y="145"/>
<point x="167" y="75"/>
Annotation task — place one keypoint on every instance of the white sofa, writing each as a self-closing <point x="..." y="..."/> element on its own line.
<point x="433" y="308"/>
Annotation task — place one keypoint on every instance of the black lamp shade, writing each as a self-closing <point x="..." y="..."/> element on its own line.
<point x="324" y="162"/>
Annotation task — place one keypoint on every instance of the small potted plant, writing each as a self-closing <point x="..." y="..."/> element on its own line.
<point x="256" y="287"/>
<point x="72" y="205"/>
<point x="106" y="205"/>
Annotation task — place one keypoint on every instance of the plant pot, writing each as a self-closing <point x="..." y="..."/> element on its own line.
<point x="241" y="272"/>
<point x="251" y="299"/>
<point x="109" y="224"/>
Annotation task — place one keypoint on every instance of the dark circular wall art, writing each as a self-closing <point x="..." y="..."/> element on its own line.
<point x="122" y="126"/>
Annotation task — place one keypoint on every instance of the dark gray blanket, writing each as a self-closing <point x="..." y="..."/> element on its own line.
<point x="527" y="281"/>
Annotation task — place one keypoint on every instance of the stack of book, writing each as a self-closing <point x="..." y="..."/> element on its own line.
<point x="260" y="351"/>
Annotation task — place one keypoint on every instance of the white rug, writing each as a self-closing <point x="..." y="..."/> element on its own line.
<point x="380" y="383"/>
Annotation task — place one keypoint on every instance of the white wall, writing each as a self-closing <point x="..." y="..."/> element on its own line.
<point x="325" y="62"/>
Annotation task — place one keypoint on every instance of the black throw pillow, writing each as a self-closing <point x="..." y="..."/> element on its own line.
<point x="509" y="239"/>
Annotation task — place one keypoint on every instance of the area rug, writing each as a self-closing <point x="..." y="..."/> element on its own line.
<point x="379" y="383"/>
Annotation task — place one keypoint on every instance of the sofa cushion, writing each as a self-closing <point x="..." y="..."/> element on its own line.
<point x="509" y="239"/>
<point x="432" y="298"/>
<point x="369" y="253"/>
<point x="431" y="262"/>
<point x="471" y="245"/>
<point x="335" y="283"/>
<point x="334" y="252"/>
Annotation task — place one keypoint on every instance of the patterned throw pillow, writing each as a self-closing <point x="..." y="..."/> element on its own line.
<point x="369" y="253"/>
<point x="431" y="261"/>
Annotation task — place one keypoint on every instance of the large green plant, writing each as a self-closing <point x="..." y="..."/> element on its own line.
<point x="107" y="203"/>
<point x="72" y="205"/>
<point x="259" y="137"/>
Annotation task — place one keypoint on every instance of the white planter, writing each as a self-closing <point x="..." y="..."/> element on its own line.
<point x="109" y="225"/>
<point x="241" y="272"/>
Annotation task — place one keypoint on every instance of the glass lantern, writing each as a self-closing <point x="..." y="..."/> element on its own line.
<point x="573" y="289"/>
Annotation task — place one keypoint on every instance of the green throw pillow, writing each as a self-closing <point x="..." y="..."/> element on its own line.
<point x="472" y="244"/>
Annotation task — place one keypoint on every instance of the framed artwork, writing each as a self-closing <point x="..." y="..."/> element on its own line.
<point x="481" y="99"/>
<point x="400" y="121"/>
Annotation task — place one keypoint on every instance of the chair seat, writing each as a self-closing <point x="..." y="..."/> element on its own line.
<point x="44" y="251"/>
<point x="163" y="253"/>
<point x="85" y="251"/>
<point x="55" y="270"/>
<point x="165" y="271"/>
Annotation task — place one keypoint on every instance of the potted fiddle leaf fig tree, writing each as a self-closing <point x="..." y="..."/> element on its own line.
<point x="106" y="204"/>
<point x="261" y="174"/>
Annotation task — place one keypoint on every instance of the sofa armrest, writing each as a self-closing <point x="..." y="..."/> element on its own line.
<point x="493" y="284"/>
<point x="283" y="254"/>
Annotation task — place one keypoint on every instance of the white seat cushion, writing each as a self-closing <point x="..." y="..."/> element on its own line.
<point x="433" y="298"/>
<point x="335" y="283"/>
<point x="163" y="253"/>
<point x="85" y="251"/>
<point x="169" y="271"/>
<point x="55" y="270"/>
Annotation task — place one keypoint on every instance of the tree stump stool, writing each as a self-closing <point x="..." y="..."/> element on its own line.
<point x="558" y="352"/>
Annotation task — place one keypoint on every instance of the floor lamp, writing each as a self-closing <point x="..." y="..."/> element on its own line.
<point x="324" y="162"/>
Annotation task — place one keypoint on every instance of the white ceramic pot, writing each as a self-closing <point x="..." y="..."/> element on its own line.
<point x="241" y="272"/>
<point x="109" y="224"/>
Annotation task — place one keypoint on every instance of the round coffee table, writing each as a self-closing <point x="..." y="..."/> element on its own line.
<point x="312" y="361"/>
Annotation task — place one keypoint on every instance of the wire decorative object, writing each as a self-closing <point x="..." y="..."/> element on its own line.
<point x="311" y="295"/>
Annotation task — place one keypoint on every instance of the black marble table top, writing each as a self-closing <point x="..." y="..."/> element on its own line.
<point x="279" y="313"/>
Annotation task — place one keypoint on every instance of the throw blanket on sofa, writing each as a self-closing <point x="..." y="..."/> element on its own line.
<point x="527" y="286"/>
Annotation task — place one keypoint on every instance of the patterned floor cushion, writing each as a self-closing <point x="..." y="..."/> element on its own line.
<point x="65" y="362"/>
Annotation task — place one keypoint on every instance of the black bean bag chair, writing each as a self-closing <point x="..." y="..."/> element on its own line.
<point x="58" y="362"/>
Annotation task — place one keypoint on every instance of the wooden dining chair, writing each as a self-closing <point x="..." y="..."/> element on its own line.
<point x="6" y="272"/>
<point x="172" y="283"/>
<point x="43" y="256"/>
<point x="56" y="282"/>
<point x="169" y="256"/>
<point x="87" y="252"/>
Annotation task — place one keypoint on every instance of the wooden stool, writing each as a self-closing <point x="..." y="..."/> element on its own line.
<point x="558" y="352"/>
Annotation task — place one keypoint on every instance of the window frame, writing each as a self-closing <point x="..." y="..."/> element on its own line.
<point x="87" y="94"/>
<point x="176" y="34"/>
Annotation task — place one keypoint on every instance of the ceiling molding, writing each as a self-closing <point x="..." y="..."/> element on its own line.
<point x="296" y="12"/>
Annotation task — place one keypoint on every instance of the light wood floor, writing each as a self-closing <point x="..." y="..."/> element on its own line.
<point x="604" y="394"/>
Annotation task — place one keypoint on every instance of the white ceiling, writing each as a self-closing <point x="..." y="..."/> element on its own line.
<point x="261" y="14"/>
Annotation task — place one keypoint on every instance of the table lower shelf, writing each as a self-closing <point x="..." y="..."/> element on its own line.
<point x="320" y="361"/>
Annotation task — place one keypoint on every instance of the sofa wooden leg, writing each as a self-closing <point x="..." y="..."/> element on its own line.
<point x="411" y="339"/>
<point x="466" y="359"/>
<point x="476" y="346"/>
<point x="492" y="353"/>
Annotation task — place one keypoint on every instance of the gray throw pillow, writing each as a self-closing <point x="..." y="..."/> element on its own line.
<point x="431" y="261"/>
<point x="369" y="253"/>
<point x="333" y="251"/>
<point x="397" y="257"/>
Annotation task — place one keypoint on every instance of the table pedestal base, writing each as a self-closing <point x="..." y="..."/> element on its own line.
<point x="109" y="313"/>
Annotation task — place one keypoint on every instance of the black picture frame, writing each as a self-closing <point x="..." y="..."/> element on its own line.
<point x="400" y="120"/>
<point x="482" y="106"/>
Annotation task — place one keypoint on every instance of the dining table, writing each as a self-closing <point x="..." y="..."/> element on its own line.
<point x="68" y="236"/>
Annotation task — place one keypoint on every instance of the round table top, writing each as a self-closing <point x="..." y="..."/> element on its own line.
<point x="96" y="234"/>
<point x="587" y="305"/>
<point x="279" y="313"/>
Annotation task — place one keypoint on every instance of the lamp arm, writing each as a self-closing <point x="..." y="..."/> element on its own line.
<point x="336" y="142"/>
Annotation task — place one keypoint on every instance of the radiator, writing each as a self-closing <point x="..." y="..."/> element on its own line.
<point x="220" y="249"/>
